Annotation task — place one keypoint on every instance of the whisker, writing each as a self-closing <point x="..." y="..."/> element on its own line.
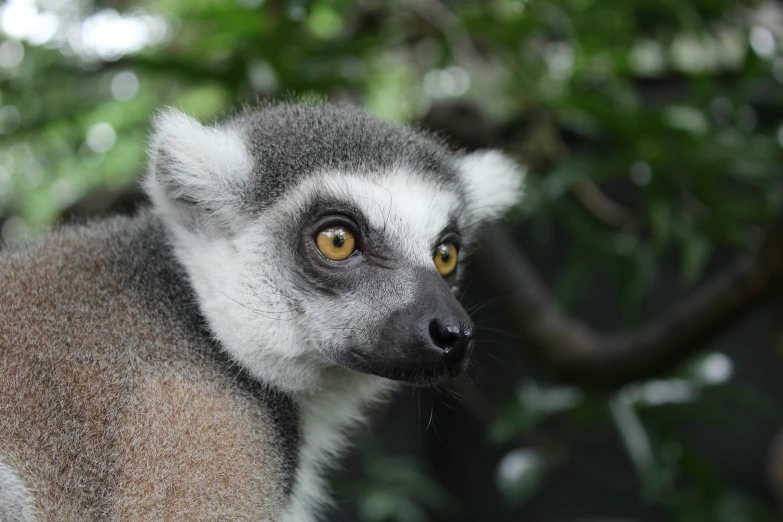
<point x="262" y="312"/>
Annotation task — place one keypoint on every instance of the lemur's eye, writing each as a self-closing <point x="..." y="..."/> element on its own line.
<point x="446" y="259"/>
<point x="335" y="243"/>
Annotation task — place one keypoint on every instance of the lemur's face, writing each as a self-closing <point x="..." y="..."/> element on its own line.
<point x="311" y="242"/>
<point x="374" y="261"/>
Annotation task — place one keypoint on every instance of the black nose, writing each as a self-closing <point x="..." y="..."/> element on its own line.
<point x="453" y="338"/>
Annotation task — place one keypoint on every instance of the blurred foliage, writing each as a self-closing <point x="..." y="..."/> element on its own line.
<point x="652" y="129"/>
<point x="395" y="489"/>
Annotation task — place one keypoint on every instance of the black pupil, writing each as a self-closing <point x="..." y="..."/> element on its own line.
<point x="444" y="254"/>
<point x="339" y="240"/>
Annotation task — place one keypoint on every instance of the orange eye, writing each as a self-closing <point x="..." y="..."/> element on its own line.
<point x="445" y="259"/>
<point x="335" y="243"/>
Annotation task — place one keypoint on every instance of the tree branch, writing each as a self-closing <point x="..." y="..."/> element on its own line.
<point x="591" y="359"/>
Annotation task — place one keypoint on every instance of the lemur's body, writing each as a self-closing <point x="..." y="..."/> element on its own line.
<point x="199" y="362"/>
<point x="131" y="409"/>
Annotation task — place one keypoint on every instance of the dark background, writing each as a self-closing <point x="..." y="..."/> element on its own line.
<point x="653" y="134"/>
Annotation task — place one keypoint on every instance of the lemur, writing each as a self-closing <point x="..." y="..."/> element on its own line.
<point x="203" y="359"/>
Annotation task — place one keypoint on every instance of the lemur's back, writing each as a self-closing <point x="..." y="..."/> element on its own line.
<point x="114" y="403"/>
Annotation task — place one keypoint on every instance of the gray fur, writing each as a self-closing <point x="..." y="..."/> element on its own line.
<point x="288" y="142"/>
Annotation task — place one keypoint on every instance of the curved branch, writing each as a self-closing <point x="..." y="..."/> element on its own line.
<point x="584" y="356"/>
<point x="601" y="206"/>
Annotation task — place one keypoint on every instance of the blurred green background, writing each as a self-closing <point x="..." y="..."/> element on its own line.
<point x="653" y="132"/>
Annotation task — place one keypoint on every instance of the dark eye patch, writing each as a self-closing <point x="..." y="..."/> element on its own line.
<point x="449" y="234"/>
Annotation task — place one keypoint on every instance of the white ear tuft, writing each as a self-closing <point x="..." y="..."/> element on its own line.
<point x="493" y="182"/>
<point x="195" y="168"/>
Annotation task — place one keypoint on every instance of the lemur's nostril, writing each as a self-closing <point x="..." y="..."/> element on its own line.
<point x="446" y="337"/>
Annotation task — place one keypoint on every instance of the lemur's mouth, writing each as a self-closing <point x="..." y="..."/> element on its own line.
<point x="419" y="365"/>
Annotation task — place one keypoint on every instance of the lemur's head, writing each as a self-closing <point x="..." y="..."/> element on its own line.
<point x="318" y="237"/>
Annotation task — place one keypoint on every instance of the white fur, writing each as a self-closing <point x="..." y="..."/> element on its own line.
<point x="204" y="163"/>
<point x="327" y="418"/>
<point x="16" y="503"/>
<point x="493" y="182"/>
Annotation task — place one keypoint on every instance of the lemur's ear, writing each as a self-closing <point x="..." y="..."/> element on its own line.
<point x="494" y="183"/>
<point x="196" y="172"/>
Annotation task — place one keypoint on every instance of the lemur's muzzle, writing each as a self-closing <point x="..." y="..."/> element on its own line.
<point x="423" y="343"/>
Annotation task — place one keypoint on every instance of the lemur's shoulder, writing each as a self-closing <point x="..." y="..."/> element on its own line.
<point x="112" y="381"/>
<point x="116" y="276"/>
